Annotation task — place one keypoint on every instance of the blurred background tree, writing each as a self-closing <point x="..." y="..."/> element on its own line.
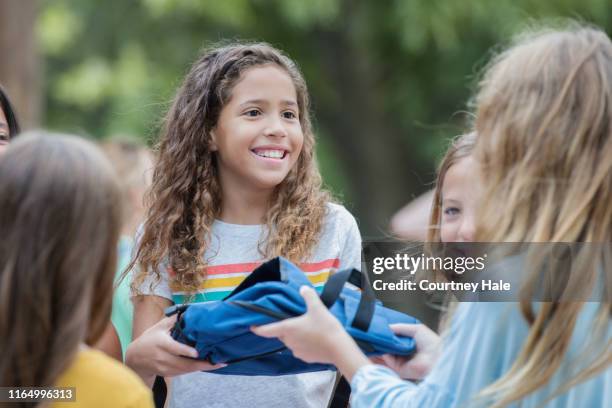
<point x="389" y="79"/>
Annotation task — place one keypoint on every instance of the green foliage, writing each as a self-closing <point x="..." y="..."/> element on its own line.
<point x="392" y="74"/>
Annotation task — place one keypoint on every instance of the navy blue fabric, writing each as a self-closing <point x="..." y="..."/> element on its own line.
<point x="220" y="330"/>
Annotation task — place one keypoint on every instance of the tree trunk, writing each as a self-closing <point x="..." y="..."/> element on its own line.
<point x="20" y="62"/>
<point x="364" y="137"/>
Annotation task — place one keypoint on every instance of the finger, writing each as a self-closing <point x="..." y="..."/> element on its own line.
<point x="182" y="365"/>
<point x="270" y="330"/>
<point x="167" y="322"/>
<point x="388" y="360"/>
<point x="205" y="366"/>
<point x="311" y="298"/>
<point x="405" y="329"/>
<point x="179" y="349"/>
<point x="212" y="367"/>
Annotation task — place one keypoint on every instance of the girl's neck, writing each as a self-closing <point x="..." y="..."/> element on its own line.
<point x="246" y="207"/>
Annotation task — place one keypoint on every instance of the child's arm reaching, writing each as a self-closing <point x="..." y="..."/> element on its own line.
<point x="317" y="336"/>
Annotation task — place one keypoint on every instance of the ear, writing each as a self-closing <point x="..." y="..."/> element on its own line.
<point x="213" y="141"/>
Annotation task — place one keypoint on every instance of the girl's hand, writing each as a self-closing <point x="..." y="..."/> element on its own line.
<point x="419" y="365"/>
<point x="155" y="352"/>
<point x="313" y="335"/>
<point x="317" y="337"/>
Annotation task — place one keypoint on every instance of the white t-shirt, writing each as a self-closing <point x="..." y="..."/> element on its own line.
<point x="232" y="254"/>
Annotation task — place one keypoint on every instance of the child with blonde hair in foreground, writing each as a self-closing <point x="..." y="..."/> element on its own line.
<point x="544" y="147"/>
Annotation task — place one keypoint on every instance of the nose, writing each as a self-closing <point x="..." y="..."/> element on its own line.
<point x="275" y="127"/>
<point x="467" y="229"/>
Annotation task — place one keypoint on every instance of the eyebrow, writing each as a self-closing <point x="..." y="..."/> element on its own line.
<point x="285" y="102"/>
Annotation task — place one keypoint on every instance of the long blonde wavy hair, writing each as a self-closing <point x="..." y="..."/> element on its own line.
<point x="185" y="197"/>
<point x="544" y="120"/>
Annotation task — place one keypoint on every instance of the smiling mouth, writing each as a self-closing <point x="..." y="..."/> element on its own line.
<point x="270" y="153"/>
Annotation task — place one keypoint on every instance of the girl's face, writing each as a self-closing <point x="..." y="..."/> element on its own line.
<point x="258" y="137"/>
<point x="461" y="192"/>
<point x="4" y="132"/>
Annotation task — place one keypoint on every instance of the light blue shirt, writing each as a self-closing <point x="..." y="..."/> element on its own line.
<point x="483" y="342"/>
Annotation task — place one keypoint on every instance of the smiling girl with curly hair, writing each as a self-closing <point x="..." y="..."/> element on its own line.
<point x="236" y="183"/>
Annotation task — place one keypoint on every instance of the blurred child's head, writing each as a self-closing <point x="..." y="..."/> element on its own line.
<point x="133" y="164"/>
<point x="9" y="126"/>
<point x="544" y="116"/>
<point x="60" y="221"/>
<point x="457" y="194"/>
<point x="240" y="121"/>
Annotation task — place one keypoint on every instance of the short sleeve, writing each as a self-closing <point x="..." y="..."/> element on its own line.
<point x="150" y="286"/>
<point x="158" y="288"/>
<point x="350" y="239"/>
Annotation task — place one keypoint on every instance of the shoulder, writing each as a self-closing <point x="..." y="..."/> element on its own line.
<point x="340" y="228"/>
<point x="102" y="381"/>
<point x="337" y="214"/>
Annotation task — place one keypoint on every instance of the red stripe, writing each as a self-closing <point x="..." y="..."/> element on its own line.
<point x="232" y="268"/>
<point x="249" y="267"/>
<point x="317" y="266"/>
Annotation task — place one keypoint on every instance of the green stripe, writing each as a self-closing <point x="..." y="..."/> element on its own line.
<point x="200" y="297"/>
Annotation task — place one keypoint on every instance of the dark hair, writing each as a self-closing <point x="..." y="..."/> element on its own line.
<point x="9" y="113"/>
<point x="60" y="220"/>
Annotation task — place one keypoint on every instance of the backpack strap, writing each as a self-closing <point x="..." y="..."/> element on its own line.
<point x="367" y="303"/>
<point x="341" y="395"/>
<point x="160" y="390"/>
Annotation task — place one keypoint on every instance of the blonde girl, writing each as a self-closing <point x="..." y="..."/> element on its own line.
<point x="544" y="125"/>
<point x="421" y="219"/>
<point x="60" y="221"/>
<point x="236" y="183"/>
<point x="455" y="198"/>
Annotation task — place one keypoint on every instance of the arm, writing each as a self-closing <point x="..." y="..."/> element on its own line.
<point x="153" y="351"/>
<point x="109" y="343"/>
<point x="318" y="337"/>
<point x="148" y="310"/>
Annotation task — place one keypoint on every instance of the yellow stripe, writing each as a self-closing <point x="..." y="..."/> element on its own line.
<point x="213" y="283"/>
<point x="319" y="277"/>
<point x="222" y="282"/>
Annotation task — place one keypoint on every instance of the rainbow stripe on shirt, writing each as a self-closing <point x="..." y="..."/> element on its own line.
<point x="221" y="280"/>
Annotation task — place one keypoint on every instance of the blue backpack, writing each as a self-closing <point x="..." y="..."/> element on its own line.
<point x="220" y="330"/>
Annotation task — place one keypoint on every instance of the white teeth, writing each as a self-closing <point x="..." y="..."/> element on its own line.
<point x="273" y="154"/>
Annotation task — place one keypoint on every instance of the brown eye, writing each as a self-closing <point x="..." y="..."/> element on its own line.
<point x="252" y="113"/>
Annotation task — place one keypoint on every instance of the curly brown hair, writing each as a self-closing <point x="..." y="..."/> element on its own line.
<point x="186" y="197"/>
